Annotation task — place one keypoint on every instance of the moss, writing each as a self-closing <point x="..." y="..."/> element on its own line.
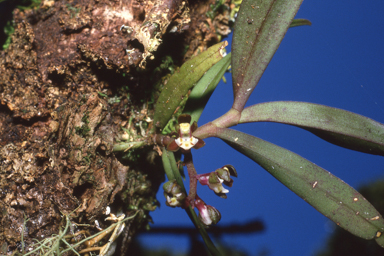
<point x="28" y="4"/>
<point x="8" y="30"/>
<point x="215" y="8"/>
<point x="9" y="27"/>
<point x="84" y="129"/>
<point x="74" y="11"/>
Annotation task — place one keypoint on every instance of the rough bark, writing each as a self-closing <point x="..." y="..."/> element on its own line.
<point x="71" y="78"/>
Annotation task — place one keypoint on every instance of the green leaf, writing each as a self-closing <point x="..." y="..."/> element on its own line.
<point x="203" y="90"/>
<point x="300" y="22"/>
<point x="173" y="172"/>
<point x="336" y="126"/>
<point x="325" y="192"/>
<point x="168" y="162"/>
<point x="182" y="81"/>
<point x="259" y="29"/>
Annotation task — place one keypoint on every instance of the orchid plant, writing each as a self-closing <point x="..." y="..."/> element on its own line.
<point x="259" y="29"/>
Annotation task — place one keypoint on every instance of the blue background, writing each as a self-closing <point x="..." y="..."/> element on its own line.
<point x="338" y="61"/>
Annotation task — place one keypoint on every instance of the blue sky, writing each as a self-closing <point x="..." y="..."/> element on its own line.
<point x="339" y="62"/>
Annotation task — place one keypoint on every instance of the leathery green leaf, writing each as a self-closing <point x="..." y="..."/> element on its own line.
<point x="203" y="90"/>
<point x="337" y="126"/>
<point x="259" y="29"/>
<point x="325" y="192"/>
<point x="182" y="81"/>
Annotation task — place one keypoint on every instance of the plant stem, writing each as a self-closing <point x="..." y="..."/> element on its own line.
<point x="231" y="118"/>
<point x="192" y="177"/>
<point x="128" y="145"/>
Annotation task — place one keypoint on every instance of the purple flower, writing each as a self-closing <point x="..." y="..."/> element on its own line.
<point x="215" y="179"/>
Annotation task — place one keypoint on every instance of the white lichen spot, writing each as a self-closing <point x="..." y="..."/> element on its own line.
<point x="355" y="199"/>
<point x="107" y="210"/>
<point x="173" y="29"/>
<point x="236" y="139"/>
<point x="314" y="185"/>
<point x="248" y="89"/>
<point x="123" y="13"/>
<point x="128" y="29"/>
<point x="97" y="225"/>
<point x="273" y="167"/>
<point x="130" y="51"/>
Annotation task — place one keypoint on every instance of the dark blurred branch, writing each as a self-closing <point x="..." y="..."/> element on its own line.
<point x="233" y="229"/>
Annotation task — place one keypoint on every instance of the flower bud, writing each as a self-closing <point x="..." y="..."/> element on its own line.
<point x="214" y="214"/>
<point x="208" y="214"/>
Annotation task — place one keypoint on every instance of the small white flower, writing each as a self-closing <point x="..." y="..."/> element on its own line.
<point x="173" y="194"/>
<point x="172" y="201"/>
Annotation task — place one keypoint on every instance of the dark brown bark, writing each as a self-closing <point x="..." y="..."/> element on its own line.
<point x="71" y="78"/>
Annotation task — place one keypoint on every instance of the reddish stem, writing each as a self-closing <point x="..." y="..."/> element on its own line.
<point x="192" y="177"/>
<point x="231" y="118"/>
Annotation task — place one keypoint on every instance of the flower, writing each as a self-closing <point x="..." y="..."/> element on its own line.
<point x="175" y="200"/>
<point x="173" y="194"/>
<point x="225" y="174"/>
<point x="215" y="179"/>
<point x="208" y="214"/>
<point x="185" y="140"/>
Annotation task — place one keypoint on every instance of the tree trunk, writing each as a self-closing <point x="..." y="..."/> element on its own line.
<point x="75" y="74"/>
